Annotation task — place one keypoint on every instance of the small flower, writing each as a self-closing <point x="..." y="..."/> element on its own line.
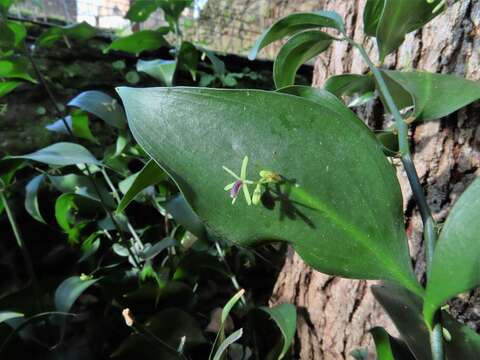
<point x="269" y="177"/>
<point x="241" y="182"/>
<point x="237" y="185"/>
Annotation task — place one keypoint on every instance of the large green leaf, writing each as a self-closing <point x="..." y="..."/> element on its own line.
<point x="69" y="291"/>
<point x="294" y="23"/>
<point x="285" y="317"/>
<point x="340" y="206"/>
<point x="405" y="309"/>
<point x="299" y="49"/>
<point x="151" y="174"/>
<point x="78" y="123"/>
<point x="433" y="95"/>
<point x="31" y="197"/>
<point x="81" y="31"/>
<point x="400" y="18"/>
<point x="101" y="105"/>
<point x="456" y="263"/>
<point x="162" y="70"/>
<point x="140" y="10"/>
<point x="62" y="154"/>
<point x="350" y="84"/>
<point x="140" y="41"/>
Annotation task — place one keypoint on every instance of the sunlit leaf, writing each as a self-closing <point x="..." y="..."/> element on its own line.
<point x="456" y="263"/>
<point x="80" y="31"/>
<point x="345" y="233"/>
<point x="62" y="154"/>
<point x="294" y="23"/>
<point x="101" y="105"/>
<point x="15" y="69"/>
<point x="140" y="41"/>
<point x="299" y="49"/>
<point x="140" y="10"/>
<point x="8" y="86"/>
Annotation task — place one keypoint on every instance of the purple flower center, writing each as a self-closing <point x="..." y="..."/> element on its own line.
<point x="236" y="188"/>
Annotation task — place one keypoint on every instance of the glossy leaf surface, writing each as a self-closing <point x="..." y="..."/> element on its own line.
<point x="101" y="105"/>
<point x="434" y="95"/>
<point x="349" y="84"/>
<point x="456" y="263"/>
<point x="62" y="154"/>
<point x="69" y="291"/>
<point x="294" y="23"/>
<point x="31" y="197"/>
<point x="299" y="49"/>
<point x="348" y="230"/>
<point x="371" y="16"/>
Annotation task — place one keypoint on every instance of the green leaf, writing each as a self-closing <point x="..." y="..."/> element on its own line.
<point x="8" y="86"/>
<point x="359" y="354"/>
<point x="400" y="18"/>
<point x="173" y="9"/>
<point x="144" y="40"/>
<point x="362" y="100"/>
<point x="405" y="309"/>
<point x="389" y="348"/>
<point x="162" y="70"/>
<point x="188" y="57"/>
<point x="31" y="197"/>
<point x="15" y="69"/>
<point x="221" y="332"/>
<point x="7" y="315"/>
<point x="339" y="232"/>
<point x="151" y="174"/>
<point x="456" y="263"/>
<point x="294" y="23"/>
<point x="233" y="337"/>
<point x="299" y="49"/>
<point x="140" y="10"/>
<point x="185" y="216"/>
<point x="78" y="123"/>
<point x="12" y="35"/>
<point x="151" y="252"/>
<point x="69" y="291"/>
<point x="90" y="246"/>
<point x="5" y="5"/>
<point x="350" y="84"/>
<point x="62" y="154"/>
<point x="80" y="31"/>
<point x="371" y="16"/>
<point x="434" y="95"/>
<point x="102" y="106"/>
<point x="285" y="317"/>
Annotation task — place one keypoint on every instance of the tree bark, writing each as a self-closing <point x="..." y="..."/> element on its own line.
<point x="335" y="314"/>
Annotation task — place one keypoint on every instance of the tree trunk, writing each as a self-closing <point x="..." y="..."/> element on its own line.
<point x="335" y="314"/>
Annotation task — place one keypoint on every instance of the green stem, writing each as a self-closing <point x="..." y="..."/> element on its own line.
<point x="23" y="249"/>
<point x="430" y="231"/>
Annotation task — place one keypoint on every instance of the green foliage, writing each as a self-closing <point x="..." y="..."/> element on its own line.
<point x="69" y="291"/>
<point x="61" y="154"/>
<point x="15" y="68"/>
<point x="162" y="70"/>
<point x="80" y="31"/>
<point x="303" y="203"/>
<point x="456" y="264"/>
<point x="31" y="197"/>
<point x="389" y="348"/>
<point x="138" y="42"/>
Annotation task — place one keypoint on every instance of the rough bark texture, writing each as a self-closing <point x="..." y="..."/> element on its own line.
<point x="335" y="313"/>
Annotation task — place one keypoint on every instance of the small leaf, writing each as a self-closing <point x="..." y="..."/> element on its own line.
<point x="294" y="23"/>
<point x="456" y="263"/>
<point x="101" y="105"/>
<point x="62" y="154"/>
<point x="362" y="100"/>
<point x="298" y="50"/>
<point x="359" y="354"/>
<point x="434" y="95"/>
<point x="69" y="291"/>
<point x="15" y="69"/>
<point x="156" y="249"/>
<point x="400" y="18"/>
<point x="183" y="214"/>
<point x="285" y="317"/>
<point x="235" y="336"/>
<point x="12" y="35"/>
<point x="140" y="10"/>
<point x="173" y="9"/>
<point x="31" y="197"/>
<point x="90" y="246"/>
<point x="8" y="86"/>
<point x="389" y="348"/>
<point x="80" y="31"/>
<point x="162" y="70"/>
<point x="7" y="315"/>
<point x="188" y="57"/>
<point x="350" y="84"/>
<point x="151" y="174"/>
<point x="144" y="40"/>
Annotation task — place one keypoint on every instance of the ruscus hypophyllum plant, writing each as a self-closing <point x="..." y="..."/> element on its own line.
<point x="345" y="218"/>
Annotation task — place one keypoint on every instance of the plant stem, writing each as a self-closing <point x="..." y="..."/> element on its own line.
<point x="60" y="114"/>
<point x="430" y="231"/>
<point x="23" y="249"/>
